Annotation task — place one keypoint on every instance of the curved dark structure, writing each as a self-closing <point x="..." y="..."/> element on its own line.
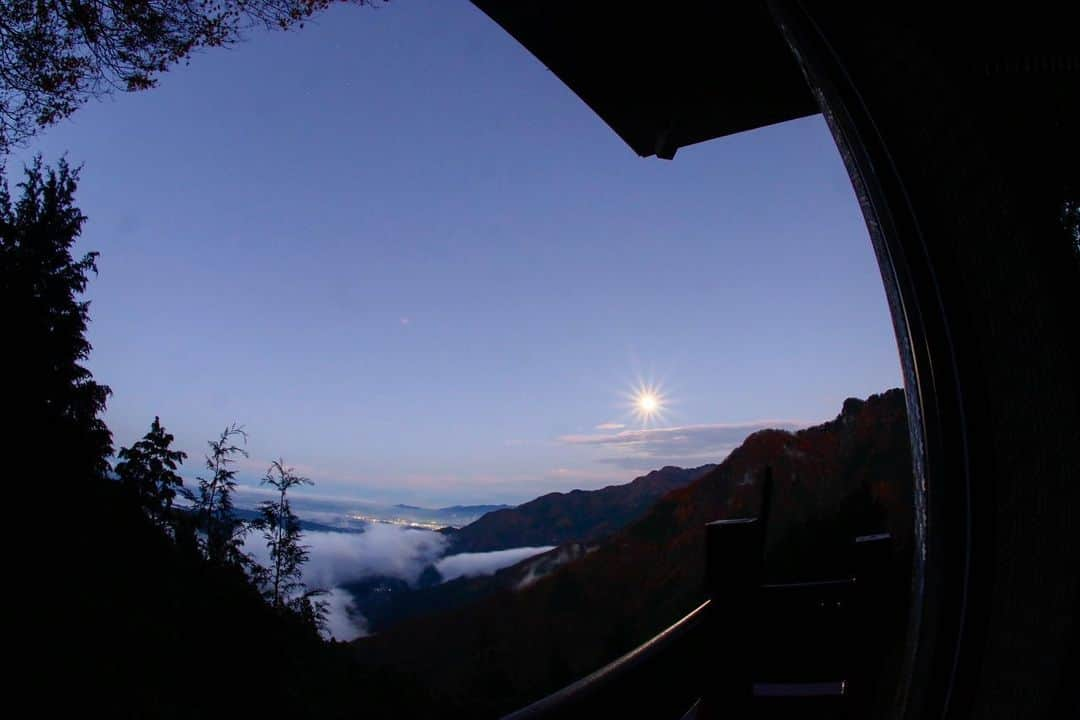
<point x="960" y="133"/>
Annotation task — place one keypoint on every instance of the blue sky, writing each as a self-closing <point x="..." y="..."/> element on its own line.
<point x="410" y="261"/>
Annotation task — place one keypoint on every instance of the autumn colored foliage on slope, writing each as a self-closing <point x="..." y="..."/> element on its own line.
<point x="833" y="481"/>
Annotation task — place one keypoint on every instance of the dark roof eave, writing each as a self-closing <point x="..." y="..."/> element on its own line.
<point x="664" y="76"/>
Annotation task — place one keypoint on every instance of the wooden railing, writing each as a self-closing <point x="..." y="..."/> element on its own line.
<point x="759" y="649"/>
<point x="661" y="678"/>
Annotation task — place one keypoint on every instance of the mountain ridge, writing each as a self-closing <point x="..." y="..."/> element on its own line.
<point x="581" y="516"/>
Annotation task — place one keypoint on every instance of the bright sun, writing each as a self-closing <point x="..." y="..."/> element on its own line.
<point x="647" y="403"/>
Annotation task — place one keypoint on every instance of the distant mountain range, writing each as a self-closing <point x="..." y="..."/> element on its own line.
<point x="453" y="516"/>
<point x="247" y="515"/>
<point x="523" y="639"/>
<point x="344" y="514"/>
<point x="581" y="516"/>
<point x="456" y="509"/>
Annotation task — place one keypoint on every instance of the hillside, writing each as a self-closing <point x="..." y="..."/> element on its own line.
<point x="582" y="516"/>
<point x="848" y="476"/>
<point x="141" y="627"/>
<point x="572" y="521"/>
<point x="386" y="601"/>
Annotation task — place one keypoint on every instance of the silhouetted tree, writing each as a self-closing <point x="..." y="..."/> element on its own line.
<point x="312" y="608"/>
<point x="57" y="54"/>
<point x="54" y="404"/>
<point x="281" y="529"/>
<point x="282" y="580"/>
<point x="213" y="505"/>
<point x="147" y="469"/>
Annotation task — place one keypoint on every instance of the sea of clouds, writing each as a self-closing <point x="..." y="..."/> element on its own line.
<point x="337" y="558"/>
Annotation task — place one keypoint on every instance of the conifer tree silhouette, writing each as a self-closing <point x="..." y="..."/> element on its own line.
<point x="55" y="402"/>
<point x="147" y="470"/>
<point x="224" y="533"/>
<point x="282" y="580"/>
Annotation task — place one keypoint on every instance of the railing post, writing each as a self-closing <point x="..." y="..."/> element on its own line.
<point x="733" y="574"/>
<point x="871" y="563"/>
<point x="734" y="550"/>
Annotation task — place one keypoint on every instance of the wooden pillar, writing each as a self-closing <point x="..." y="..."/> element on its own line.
<point x="734" y="549"/>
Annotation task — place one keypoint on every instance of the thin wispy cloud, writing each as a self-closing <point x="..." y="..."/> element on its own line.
<point x="610" y="426"/>
<point x="484" y="563"/>
<point x="674" y="445"/>
<point x="639" y="464"/>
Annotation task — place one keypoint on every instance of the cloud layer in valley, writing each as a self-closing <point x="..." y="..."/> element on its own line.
<point x="484" y="563"/>
<point x="686" y="444"/>
<point x="337" y="558"/>
<point x="382" y="549"/>
<point x="343" y="622"/>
